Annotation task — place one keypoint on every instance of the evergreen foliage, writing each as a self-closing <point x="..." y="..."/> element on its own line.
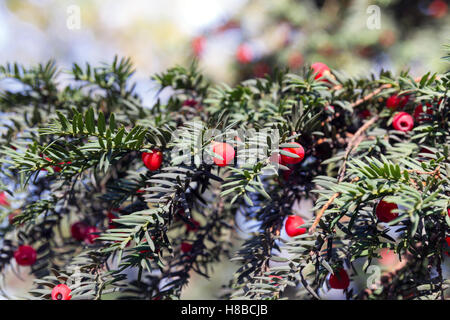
<point x="71" y="151"/>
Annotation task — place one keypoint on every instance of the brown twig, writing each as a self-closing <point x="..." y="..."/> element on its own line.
<point x="354" y="142"/>
<point x="371" y="95"/>
<point x="324" y="208"/>
<point x="435" y="172"/>
<point x="321" y="212"/>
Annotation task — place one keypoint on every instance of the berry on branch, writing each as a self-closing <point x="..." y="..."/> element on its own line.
<point x="403" y="122"/>
<point x="395" y="101"/>
<point x="193" y="226"/>
<point x="186" y="247"/>
<point x="292" y="225"/>
<point x="25" y="255"/>
<point x="190" y="102"/>
<point x="384" y="212"/>
<point x="79" y="230"/>
<point x="339" y="279"/>
<point x="61" y="292"/>
<point x="420" y="115"/>
<point x="152" y="160"/>
<point x="226" y="151"/>
<point x="299" y="151"/>
<point x="320" y="70"/>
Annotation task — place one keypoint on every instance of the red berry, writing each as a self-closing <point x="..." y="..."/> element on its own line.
<point x="198" y="45"/>
<point x="404" y="100"/>
<point x="392" y="102"/>
<point x="438" y="9"/>
<point x="395" y="101"/>
<point x="79" y="230"/>
<point x="295" y="150"/>
<point x="61" y="292"/>
<point x="320" y="69"/>
<point x="186" y="247"/>
<point x="244" y="53"/>
<point x="384" y="212"/>
<point x="195" y="227"/>
<point x="190" y="102"/>
<point x="420" y="115"/>
<point x="226" y="151"/>
<point x="292" y="226"/>
<point x="339" y="280"/>
<point x="3" y="200"/>
<point x="152" y="160"/>
<point x="364" y="114"/>
<point x="25" y="255"/>
<point x="403" y="122"/>
<point x="90" y="236"/>
<point x="448" y="212"/>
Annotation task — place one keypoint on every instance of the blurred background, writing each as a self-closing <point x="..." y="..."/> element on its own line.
<point x="232" y="40"/>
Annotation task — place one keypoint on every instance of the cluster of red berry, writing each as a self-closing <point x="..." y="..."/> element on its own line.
<point x="153" y="160"/>
<point x="403" y="121"/>
<point x="26" y="256"/>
